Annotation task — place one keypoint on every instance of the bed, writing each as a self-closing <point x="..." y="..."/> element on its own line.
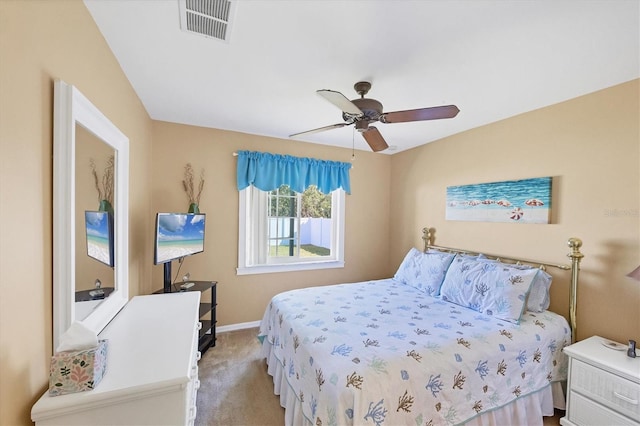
<point x="453" y="338"/>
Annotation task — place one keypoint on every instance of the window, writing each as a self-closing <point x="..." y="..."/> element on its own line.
<point x="277" y="203"/>
<point x="283" y="230"/>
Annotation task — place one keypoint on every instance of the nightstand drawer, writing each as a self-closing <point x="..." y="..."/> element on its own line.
<point x="585" y="412"/>
<point x="619" y="394"/>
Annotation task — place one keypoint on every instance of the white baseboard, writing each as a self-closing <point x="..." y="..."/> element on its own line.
<point x="239" y="326"/>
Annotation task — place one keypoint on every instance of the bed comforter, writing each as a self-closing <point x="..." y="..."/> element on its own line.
<point x="385" y="353"/>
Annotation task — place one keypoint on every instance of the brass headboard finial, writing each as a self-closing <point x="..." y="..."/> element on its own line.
<point x="426" y="237"/>
<point x="576" y="256"/>
<point x="575" y="244"/>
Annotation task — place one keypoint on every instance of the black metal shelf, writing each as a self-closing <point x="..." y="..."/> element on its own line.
<point x="204" y="309"/>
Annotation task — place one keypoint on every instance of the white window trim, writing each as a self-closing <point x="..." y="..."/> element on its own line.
<point x="246" y="263"/>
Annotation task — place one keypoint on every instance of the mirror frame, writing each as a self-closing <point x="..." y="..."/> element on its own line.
<point x="72" y="108"/>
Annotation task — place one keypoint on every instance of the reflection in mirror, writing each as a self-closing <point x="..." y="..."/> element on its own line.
<point x="95" y="278"/>
<point x="82" y="132"/>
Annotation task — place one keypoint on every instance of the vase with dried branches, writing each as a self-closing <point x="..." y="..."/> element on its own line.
<point x="193" y="194"/>
<point x="104" y="186"/>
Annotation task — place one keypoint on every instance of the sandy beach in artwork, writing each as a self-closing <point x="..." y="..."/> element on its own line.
<point x="479" y="214"/>
<point x="98" y="248"/>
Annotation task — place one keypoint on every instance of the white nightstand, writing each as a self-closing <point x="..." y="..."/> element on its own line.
<point x="603" y="386"/>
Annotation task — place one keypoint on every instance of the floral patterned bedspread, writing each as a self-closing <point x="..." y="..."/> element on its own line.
<point x="384" y="353"/>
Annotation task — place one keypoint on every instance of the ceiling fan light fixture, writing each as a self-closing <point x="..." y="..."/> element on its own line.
<point x="371" y="108"/>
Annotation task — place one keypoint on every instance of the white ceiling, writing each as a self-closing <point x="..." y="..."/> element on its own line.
<point x="493" y="59"/>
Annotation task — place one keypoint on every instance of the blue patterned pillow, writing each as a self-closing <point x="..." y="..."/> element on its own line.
<point x="539" y="298"/>
<point x="496" y="289"/>
<point x="424" y="271"/>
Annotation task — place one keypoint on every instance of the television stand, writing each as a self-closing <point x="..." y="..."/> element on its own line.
<point x="167" y="277"/>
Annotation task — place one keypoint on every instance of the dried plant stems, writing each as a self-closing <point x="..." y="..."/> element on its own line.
<point x="92" y="164"/>
<point x="200" y="186"/>
<point x="104" y="186"/>
<point x="187" y="184"/>
<point x="107" y="180"/>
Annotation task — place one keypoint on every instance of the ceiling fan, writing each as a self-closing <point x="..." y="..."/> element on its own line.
<point x="364" y="111"/>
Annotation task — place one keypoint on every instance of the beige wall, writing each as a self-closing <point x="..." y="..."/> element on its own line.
<point x="39" y="42"/>
<point x="243" y="298"/>
<point x="590" y="145"/>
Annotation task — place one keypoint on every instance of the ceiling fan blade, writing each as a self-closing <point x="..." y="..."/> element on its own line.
<point x="374" y="139"/>
<point x="341" y="101"/>
<point x="320" y="129"/>
<point x="433" y="113"/>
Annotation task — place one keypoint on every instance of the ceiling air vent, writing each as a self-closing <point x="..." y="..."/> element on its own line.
<point x="210" y="18"/>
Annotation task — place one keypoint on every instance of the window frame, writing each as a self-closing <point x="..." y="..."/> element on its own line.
<point x="252" y="232"/>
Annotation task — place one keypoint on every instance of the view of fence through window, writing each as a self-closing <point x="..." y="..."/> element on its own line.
<point x="299" y="224"/>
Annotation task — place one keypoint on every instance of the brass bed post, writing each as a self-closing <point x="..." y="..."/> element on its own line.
<point x="576" y="257"/>
<point x="426" y="237"/>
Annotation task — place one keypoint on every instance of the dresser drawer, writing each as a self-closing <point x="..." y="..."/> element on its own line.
<point x="617" y="393"/>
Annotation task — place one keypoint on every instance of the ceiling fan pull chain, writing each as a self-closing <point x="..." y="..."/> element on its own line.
<point x="353" y="146"/>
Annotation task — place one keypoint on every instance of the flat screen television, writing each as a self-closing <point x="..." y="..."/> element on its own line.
<point x="177" y="235"/>
<point x="100" y="238"/>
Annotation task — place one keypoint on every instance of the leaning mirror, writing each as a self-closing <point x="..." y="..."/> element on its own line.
<point x="90" y="201"/>
<point x="95" y="248"/>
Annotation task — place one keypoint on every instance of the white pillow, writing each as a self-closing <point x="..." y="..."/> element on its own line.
<point x="496" y="289"/>
<point x="424" y="271"/>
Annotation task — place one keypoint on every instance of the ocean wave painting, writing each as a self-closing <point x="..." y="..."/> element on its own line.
<point x="519" y="201"/>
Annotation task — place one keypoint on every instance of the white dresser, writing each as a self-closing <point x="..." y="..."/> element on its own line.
<point x="152" y="372"/>
<point x="603" y="386"/>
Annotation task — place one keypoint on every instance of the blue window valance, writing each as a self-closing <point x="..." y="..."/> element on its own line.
<point x="268" y="171"/>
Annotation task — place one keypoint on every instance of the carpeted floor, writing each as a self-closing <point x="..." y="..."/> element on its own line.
<point x="236" y="390"/>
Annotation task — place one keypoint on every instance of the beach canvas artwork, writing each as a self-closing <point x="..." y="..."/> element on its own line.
<point x="99" y="236"/>
<point x="519" y="201"/>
